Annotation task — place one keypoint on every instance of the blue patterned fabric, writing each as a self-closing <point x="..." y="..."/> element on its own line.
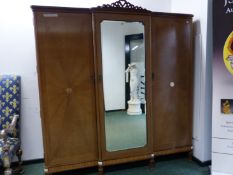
<point x="9" y="100"/>
<point x="9" y="106"/>
<point x="14" y="145"/>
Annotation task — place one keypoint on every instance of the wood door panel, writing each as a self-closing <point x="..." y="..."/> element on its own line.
<point x="65" y="61"/>
<point x="132" y="153"/>
<point x="172" y="62"/>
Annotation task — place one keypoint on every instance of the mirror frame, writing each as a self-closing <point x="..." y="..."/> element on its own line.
<point x="132" y="14"/>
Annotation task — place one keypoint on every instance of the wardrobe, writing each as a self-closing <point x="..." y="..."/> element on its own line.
<point x="82" y="71"/>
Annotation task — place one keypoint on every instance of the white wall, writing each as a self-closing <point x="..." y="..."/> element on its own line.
<point x="203" y="84"/>
<point x="17" y="55"/>
<point x="113" y="60"/>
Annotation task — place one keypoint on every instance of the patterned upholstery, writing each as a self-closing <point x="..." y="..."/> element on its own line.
<point x="14" y="145"/>
<point x="9" y="100"/>
<point x="9" y="106"/>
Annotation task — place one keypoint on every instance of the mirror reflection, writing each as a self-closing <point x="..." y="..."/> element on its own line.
<point x="123" y="63"/>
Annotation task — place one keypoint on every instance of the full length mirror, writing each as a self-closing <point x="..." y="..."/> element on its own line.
<point x="123" y="66"/>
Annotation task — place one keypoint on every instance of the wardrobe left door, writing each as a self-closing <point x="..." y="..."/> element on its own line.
<point x="67" y="89"/>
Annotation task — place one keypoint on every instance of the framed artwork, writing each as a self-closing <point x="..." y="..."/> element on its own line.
<point x="227" y="106"/>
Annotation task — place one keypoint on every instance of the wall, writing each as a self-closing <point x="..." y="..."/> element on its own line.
<point x="203" y="84"/>
<point x="113" y="62"/>
<point x="17" y="56"/>
<point x="112" y="40"/>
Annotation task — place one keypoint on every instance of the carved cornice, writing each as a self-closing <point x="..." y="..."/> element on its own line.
<point x="122" y="4"/>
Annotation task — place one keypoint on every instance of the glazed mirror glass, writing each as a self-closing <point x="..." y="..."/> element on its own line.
<point x="123" y="66"/>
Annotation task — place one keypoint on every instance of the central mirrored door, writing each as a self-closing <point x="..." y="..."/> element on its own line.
<point x="123" y="67"/>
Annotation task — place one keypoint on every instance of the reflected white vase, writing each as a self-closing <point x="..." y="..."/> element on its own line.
<point x="134" y="107"/>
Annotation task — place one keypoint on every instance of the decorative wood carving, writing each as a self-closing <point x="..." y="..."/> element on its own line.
<point x="122" y="4"/>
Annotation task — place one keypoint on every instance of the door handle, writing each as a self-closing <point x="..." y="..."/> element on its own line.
<point x="172" y="84"/>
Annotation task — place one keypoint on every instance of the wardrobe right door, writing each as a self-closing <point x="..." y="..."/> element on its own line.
<point x="172" y="92"/>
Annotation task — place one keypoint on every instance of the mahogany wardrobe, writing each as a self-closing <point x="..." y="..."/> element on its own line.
<point x="115" y="83"/>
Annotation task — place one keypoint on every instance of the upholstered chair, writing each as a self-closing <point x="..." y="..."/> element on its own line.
<point x="9" y="122"/>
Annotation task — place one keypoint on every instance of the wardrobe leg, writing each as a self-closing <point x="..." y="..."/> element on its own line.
<point x="100" y="168"/>
<point x="152" y="161"/>
<point x="190" y="155"/>
<point x="48" y="173"/>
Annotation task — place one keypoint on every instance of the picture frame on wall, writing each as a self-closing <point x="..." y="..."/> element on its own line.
<point x="227" y="106"/>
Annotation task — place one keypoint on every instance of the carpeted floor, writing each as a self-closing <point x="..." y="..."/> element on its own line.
<point x="124" y="131"/>
<point x="178" y="166"/>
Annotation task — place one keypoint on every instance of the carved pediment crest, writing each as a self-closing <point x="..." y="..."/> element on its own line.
<point x="122" y="4"/>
